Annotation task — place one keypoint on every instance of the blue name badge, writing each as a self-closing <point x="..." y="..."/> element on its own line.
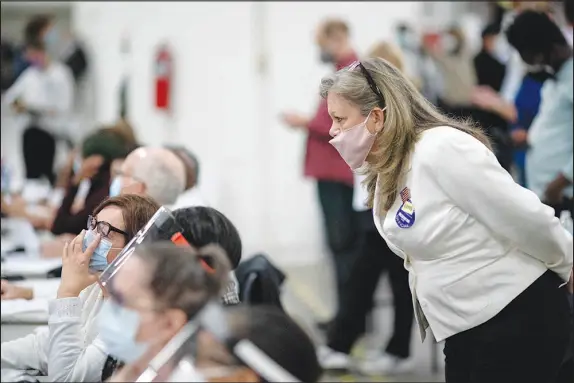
<point x="405" y="217"/>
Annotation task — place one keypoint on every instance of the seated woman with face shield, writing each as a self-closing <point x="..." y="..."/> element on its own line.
<point x="155" y="289"/>
<point x="70" y="349"/>
<point x="245" y="344"/>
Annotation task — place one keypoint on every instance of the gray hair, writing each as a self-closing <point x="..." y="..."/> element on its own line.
<point x="407" y="115"/>
<point x="164" y="179"/>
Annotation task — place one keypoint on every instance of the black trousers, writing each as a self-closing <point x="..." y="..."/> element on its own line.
<point x="339" y="219"/>
<point x="374" y="257"/>
<point x="566" y="204"/>
<point x="527" y="342"/>
<point x="39" y="148"/>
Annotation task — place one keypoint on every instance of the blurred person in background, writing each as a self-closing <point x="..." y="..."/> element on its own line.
<point x="527" y="103"/>
<point x="568" y="6"/>
<point x="59" y="45"/>
<point x="192" y="195"/>
<point x="374" y="257"/>
<point x="430" y="74"/>
<point x="454" y="62"/>
<point x="122" y="129"/>
<point x="156" y="292"/>
<point x="43" y="94"/>
<point x="322" y="163"/>
<point x="83" y="181"/>
<point x="7" y="56"/>
<point x="409" y="44"/>
<point x="483" y="253"/>
<point x="67" y="48"/>
<point x="459" y="74"/>
<point x="98" y="152"/>
<point x="69" y="349"/>
<point x="549" y="169"/>
<point x="515" y="68"/>
<point x="490" y="70"/>
<point x="153" y="171"/>
<point x="290" y="350"/>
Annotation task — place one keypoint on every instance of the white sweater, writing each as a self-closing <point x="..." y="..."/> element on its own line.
<point x="68" y="350"/>
<point x="49" y="91"/>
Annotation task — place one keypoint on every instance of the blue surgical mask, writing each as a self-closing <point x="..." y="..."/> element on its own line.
<point x="77" y="165"/>
<point x="116" y="187"/>
<point x="118" y="328"/>
<point x="52" y="39"/>
<point x="326" y="57"/>
<point x="99" y="260"/>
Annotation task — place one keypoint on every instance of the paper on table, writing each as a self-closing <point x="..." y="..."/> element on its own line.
<point x="30" y="267"/>
<point x="43" y="288"/>
<point x="23" y="311"/>
<point x="21" y="233"/>
<point x="39" y="210"/>
<point x="7" y="246"/>
<point x="36" y="190"/>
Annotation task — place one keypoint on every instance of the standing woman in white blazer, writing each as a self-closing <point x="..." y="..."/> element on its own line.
<point x="487" y="261"/>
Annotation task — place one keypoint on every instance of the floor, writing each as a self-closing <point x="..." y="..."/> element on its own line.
<point x="307" y="298"/>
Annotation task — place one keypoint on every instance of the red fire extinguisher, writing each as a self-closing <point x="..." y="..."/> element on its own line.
<point x="163" y="76"/>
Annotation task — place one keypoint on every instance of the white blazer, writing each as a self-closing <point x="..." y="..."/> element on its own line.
<point x="472" y="239"/>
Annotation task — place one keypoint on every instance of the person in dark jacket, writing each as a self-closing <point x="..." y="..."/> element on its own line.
<point x="490" y="73"/>
<point x="98" y="152"/>
<point x="489" y="70"/>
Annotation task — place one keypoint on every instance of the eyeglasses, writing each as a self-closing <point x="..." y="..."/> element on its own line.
<point x="370" y="81"/>
<point x="103" y="227"/>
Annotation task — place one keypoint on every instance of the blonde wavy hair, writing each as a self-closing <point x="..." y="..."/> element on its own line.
<point x="408" y="114"/>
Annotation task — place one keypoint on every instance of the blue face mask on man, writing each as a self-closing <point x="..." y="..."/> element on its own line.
<point x="118" y="327"/>
<point x="99" y="260"/>
<point x="77" y="165"/>
<point x="116" y="187"/>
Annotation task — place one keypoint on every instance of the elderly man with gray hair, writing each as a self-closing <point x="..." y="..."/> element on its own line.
<point x="153" y="171"/>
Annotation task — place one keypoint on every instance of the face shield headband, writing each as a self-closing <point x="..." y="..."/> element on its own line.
<point x="213" y="319"/>
<point x="162" y="226"/>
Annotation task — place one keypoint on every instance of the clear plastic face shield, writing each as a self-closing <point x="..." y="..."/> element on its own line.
<point x="160" y="366"/>
<point x="213" y="319"/>
<point x="161" y="227"/>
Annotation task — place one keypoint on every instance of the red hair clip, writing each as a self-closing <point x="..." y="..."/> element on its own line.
<point x="179" y="240"/>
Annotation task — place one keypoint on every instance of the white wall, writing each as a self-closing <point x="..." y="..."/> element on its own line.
<point x="238" y="65"/>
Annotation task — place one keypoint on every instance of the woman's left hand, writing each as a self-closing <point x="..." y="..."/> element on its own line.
<point x="75" y="271"/>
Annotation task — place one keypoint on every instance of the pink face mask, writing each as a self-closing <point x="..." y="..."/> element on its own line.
<point x="354" y="144"/>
